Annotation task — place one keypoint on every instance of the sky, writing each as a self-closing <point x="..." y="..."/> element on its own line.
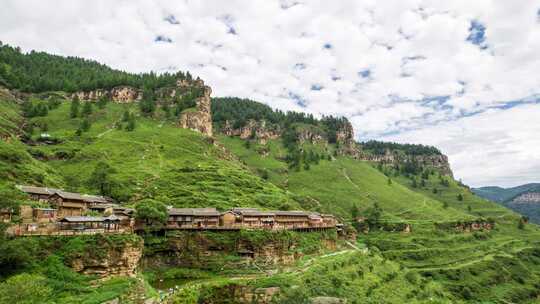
<point x="461" y="75"/>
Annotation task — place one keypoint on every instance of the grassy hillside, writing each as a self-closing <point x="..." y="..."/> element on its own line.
<point x="338" y="184"/>
<point x="156" y="160"/>
<point x="467" y="265"/>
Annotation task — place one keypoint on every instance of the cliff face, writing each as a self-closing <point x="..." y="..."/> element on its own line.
<point x="212" y="250"/>
<point x="109" y="260"/>
<point x="121" y="94"/>
<point x="200" y="119"/>
<point x="531" y="197"/>
<point x="439" y="162"/>
<point x="257" y="129"/>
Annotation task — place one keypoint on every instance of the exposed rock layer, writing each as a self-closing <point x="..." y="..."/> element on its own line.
<point x="199" y="119"/>
<point x="112" y="260"/>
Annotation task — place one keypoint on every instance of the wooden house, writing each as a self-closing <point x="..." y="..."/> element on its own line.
<point x="253" y="218"/>
<point x="68" y="203"/>
<point x="292" y="219"/>
<point x="5" y="215"/>
<point x="193" y="218"/>
<point x="44" y="215"/>
<point x="329" y="220"/>
<point x="41" y="194"/>
<point x="84" y="223"/>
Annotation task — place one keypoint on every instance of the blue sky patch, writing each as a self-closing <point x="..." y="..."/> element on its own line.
<point x="316" y="87"/>
<point x="300" y="66"/>
<point x="477" y="34"/>
<point x="171" y="19"/>
<point x="364" y="73"/>
<point x="298" y="99"/>
<point x="161" y="38"/>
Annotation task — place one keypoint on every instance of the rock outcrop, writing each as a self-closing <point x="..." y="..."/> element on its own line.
<point x="253" y="130"/>
<point x="530" y="197"/>
<point x="207" y="249"/>
<point x="110" y="261"/>
<point x="200" y="118"/>
<point x="437" y="161"/>
<point x="120" y="94"/>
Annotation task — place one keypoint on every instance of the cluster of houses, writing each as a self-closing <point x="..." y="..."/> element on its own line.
<point x="58" y="212"/>
<point x="248" y="218"/>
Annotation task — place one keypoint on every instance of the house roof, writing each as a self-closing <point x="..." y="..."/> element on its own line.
<point x="83" y="219"/>
<point x="252" y="212"/>
<point x="194" y="211"/>
<point x="101" y="206"/>
<point x="89" y="219"/>
<point x="37" y="190"/>
<point x="294" y="213"/>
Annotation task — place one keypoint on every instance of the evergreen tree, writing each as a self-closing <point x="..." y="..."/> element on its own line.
<point x="85" y="125"/>
<point x="74" y="109"/>
<point x="101" y="179"/>
<point x="460" y="197"/>
<point x="87" y="109"/>
<point x="131" y="123"/>
<point x="102" y="102"/>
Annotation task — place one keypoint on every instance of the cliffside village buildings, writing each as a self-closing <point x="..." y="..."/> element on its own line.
<point x="68" y="213"/>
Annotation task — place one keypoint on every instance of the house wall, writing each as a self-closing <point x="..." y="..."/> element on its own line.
<point x="228" y="219"/>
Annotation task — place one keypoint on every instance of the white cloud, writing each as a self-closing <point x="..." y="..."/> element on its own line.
<point x="413" y="49"/>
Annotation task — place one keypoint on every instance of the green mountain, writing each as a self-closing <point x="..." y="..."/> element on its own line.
<point x="524" y="199"/>
<point x="502" y="195"/>
<point x="422" y="236"/>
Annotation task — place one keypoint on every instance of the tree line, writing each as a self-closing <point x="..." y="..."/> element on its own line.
<point x="40" y="72"/>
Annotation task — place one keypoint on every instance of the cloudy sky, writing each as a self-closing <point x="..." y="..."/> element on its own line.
<point x="462" y="75"/>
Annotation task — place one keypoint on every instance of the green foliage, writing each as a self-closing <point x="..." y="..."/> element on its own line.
<point x="40" y="72"/>
<point x="87" y="109"/>
<point x="380" y="148"/>
<point x="25" y="289"/>
<point x="101" y="179"/>
<point x="74" y="109"/>
<point x="151" y="211"/>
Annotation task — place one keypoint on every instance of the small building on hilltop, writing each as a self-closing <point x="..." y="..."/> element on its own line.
<point x="193" y="218"/>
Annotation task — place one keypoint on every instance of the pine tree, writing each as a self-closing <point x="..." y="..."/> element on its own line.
<point x="87" y="109"/>
<point x="85" y="125"/>
<point x="131" y="123"/>
<point x="74" y="110"/>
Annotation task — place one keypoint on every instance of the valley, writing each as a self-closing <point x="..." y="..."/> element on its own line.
<point x="411" y="234"/>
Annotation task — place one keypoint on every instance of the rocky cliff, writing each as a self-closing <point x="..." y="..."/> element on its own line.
<point x="200" y="118"/>
<point x="109" y="259"/>
<point x="531" y="197"/>
<point x="120" y="94"/>
<point x="233" y="250"/>
<point x="259" y="130"/>
<point x="439" y="162"/>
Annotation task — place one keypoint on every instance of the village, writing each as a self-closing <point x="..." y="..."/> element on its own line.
<point x="58" y="212"/>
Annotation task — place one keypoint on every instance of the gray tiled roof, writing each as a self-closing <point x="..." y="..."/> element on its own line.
<point x="194" y="211"/>
<point x="37" y="190"/>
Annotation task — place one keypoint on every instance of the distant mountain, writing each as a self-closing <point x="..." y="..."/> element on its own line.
<point x="501" y="195"/>
<point x="524" y="199"/>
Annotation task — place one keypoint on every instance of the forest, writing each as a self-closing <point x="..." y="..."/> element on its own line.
<point x="37" y="72"/>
